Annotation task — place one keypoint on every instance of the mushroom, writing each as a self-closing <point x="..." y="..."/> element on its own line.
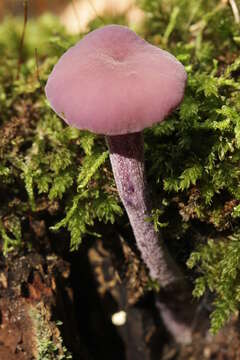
<point x="113" y="82"/>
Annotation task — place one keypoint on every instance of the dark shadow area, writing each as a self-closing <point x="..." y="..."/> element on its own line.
<point x="94" y="324"/>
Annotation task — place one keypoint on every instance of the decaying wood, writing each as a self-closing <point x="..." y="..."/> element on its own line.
<point x="33" y="295"/>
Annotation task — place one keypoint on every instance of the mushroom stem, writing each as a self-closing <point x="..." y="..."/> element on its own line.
<point x="127" y="159"/>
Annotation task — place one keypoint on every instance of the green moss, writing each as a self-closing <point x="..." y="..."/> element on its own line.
<point x="48" y="170"/>
<point x="194" y="156"/>
<point x="49" y="344"/>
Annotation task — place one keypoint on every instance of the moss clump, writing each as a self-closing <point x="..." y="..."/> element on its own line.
<point x="50" y="171"/>
<point x="42" y="162"/>
<point x="194" y="156"/>
<point x="49" y="344"/>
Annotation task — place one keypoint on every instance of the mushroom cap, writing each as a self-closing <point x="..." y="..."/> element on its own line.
<point x="113" y="82"/>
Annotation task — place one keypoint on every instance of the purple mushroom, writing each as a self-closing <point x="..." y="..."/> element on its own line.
<point x="113" y="82"/>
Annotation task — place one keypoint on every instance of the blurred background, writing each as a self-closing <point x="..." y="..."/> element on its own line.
<point x="76" y="14"/>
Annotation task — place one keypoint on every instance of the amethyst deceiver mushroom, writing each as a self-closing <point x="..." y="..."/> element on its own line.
<point x="113" y="82"/>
